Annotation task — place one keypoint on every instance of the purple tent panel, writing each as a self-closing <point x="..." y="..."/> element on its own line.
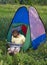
<point x="36" y="27"/>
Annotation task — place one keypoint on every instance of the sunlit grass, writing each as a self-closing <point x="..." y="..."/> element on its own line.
<point x="30" y="57"/>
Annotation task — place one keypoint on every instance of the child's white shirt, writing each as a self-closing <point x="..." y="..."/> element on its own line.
<point x="19" y="40"/>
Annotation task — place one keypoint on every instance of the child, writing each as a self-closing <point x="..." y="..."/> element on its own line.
<point x="16" y="42"/>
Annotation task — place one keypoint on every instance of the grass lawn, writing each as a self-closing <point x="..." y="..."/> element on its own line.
<point x="30" y="57"/>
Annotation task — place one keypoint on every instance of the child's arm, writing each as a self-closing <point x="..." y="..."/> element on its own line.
<point x="23" y="39"/>
<point x="12" y="40"/>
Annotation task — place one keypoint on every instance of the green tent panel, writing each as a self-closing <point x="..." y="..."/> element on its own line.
<point x="28" y="40"/>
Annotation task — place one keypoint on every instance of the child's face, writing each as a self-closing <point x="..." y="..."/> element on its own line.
<point x="15" y="33"/>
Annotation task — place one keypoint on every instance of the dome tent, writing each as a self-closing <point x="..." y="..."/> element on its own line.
<point x="22" y="22"/>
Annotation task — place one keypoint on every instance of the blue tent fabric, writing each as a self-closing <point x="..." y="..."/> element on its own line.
<point x="21" y="16"/>
<point x="35" y="43"/>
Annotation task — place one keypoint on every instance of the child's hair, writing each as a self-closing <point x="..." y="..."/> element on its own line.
<point x="15" y="32"/>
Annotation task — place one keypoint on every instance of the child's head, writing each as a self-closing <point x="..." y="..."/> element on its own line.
<point x="15" y="33"/>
